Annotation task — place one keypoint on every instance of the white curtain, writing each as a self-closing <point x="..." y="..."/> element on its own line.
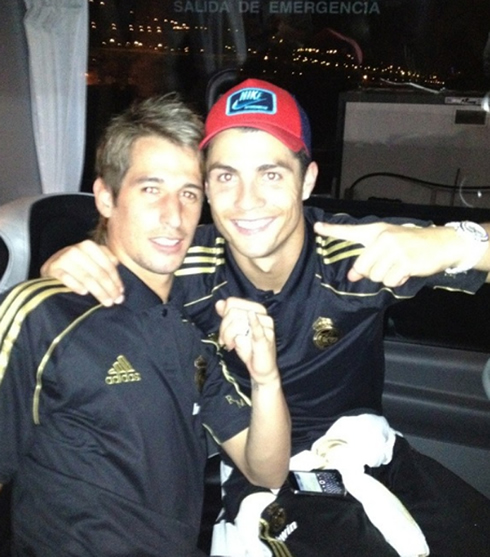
<point x="57" y="38"/>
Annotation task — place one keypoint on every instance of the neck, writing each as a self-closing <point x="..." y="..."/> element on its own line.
<point x="161" y="288"/>
<point x="264" y="275"/>
<point x="160" y="284"/>
<point x="270" y="272"/>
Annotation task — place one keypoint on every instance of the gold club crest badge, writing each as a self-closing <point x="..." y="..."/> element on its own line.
<point x="325" y="333"/>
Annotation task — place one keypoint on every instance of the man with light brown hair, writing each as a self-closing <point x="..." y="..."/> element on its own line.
<point x="103" y="411"/>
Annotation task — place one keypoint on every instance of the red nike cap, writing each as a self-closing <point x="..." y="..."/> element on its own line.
<point x="261" y="105"/>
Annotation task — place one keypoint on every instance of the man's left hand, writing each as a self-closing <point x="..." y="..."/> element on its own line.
<point x="394" y="253"/>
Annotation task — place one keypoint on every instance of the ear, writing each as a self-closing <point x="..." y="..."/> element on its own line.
<point x="309" y="180"/>
<point x="103" y="198"/>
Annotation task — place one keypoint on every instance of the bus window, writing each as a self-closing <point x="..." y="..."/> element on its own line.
<point x="317" y="49"/>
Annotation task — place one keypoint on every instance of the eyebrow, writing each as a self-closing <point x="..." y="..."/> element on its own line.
<point x="261" y="168"/>
<point x="155" y="179"/>
<point x="272" y="166"/>
<point x="220" y="166"/>
<point x="199" y="187"/>
<point x="149" y="178"/>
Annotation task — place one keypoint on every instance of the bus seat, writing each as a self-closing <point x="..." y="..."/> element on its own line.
<point x="33" y="228"/>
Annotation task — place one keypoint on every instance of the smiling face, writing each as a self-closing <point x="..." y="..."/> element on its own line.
<point x="256" y="192"/>
<point x="151" y="223"/>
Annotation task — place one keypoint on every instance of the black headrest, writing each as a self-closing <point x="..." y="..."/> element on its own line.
<point x="58" y="221"/>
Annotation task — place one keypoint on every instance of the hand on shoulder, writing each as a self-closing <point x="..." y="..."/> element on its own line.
<point x="87" y="268"/>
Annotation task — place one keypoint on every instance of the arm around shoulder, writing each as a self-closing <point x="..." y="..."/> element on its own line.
<point x="87" y="268"/>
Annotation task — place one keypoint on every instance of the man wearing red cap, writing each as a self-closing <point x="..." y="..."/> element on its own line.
<point x="327" y="296"/>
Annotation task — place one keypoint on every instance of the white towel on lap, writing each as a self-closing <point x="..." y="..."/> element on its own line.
<point x="351" y="443"/>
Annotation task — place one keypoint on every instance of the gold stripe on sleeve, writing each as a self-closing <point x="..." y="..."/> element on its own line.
<point x="18" y="296"/>
<point x="47" y="356"/>
<point x="16" y="308"/>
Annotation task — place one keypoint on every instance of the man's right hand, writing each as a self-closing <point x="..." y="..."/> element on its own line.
<point x="87" y="268"/>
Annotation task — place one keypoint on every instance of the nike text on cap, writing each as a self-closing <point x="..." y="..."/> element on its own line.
<point x="261" y="105"/>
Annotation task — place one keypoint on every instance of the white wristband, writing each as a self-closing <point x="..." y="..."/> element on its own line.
<point x="477" y="241"/>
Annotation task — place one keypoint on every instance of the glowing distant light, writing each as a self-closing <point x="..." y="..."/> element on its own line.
<point x="365" y="77"/>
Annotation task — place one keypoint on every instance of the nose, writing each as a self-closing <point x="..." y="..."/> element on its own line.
<point x="170" y="209"/>
<point x="249" y="196"/>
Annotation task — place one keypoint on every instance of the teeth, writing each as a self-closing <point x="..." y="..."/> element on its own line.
<point x="252" y="224"/>
<point x="165" y="241"/>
